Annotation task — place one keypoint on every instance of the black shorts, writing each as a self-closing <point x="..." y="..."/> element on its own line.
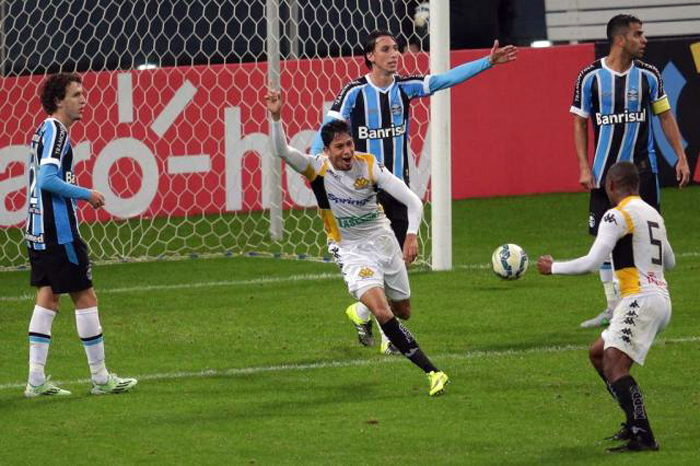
<point x="397" y="213"/>
<point x="65" y="268"/>
<point x="599" y="202"/>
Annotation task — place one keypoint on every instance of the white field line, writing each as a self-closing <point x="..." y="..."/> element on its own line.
<point x="351" y="363"/>
<point x="254" y="281"/>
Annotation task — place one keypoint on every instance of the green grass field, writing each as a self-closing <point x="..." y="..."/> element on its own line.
<point x="252" y="361"/>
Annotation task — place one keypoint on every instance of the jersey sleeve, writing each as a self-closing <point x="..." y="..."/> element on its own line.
<point x="54" y="140"/>
<point x="388" y="182"/>
<point x="613" y="227"/>
<point x="415" y="85"/>
<point x="300" y="162"/>
<point x="458" y="74"/>
<point x="581" y="105"/>
<point x="657" y="94"/>
<point x="345" y="101"/>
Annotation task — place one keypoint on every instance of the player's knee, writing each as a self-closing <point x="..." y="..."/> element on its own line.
<point x="402" y="309"/>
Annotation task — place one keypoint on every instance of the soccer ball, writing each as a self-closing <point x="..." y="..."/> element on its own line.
<point x="509" y="261"/>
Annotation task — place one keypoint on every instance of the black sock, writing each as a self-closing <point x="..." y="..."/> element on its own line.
<point x="608" y="386"/>
<point x="632" y="402"/>
<point x="402" y="339"/>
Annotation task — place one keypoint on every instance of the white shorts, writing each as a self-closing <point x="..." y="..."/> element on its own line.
<point x="635" y="323"/>
<point x="377" y="262"/>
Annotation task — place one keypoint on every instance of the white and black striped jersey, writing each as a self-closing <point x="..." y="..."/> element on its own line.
<point x="620" y="106"/>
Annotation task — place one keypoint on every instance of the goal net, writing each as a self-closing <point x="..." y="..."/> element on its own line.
<point x="175" y="132"/>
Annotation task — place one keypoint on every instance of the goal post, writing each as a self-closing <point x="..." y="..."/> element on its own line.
<point x="176" y="134"/>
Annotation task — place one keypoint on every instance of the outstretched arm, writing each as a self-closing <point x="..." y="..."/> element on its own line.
<point x="461" y="73"/>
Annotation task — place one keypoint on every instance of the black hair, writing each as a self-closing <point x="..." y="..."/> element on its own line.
<point x="371" y="41"/>
<point x="331" y="129"/>
<point x="625" y="176"/>
<point x="54" y="89"/>
<point x="620" y="24"/>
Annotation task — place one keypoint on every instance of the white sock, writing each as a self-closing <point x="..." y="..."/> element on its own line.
<point x="606" y="276"/>
<point x="88" y="323"/>
<point x="39" y="341"/>
<point x="362" y="312"/>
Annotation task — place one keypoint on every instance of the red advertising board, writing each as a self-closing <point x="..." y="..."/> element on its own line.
<point x="188" y="140"/>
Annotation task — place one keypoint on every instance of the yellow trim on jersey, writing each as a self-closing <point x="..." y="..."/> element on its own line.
<point x="628" y="219"/>
<point x="660" y="106"/>
<point x="330" y="225"/>
<point x="368" y="159"/>
<point x="324" y="168"/>
<point x="629" y="281"/>
<point x="626" y="201"/>
<point x="310" y="173"/>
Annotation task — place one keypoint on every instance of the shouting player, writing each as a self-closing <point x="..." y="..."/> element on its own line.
<point x="377" y="107"/>
<point x="359" y="237"/>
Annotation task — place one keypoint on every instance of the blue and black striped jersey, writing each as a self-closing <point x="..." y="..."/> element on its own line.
<point x="620" y="106"/>
<point x="380" y="117"/>
<point x="51" y="218"/>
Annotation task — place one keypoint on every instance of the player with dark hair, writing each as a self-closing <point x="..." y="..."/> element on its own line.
<point x="373" y="264"/>
<point x="619" y="93"/>
<point x="57" y="254"/>
<point x="635" y="234"/>
<point x="377" y="106"/>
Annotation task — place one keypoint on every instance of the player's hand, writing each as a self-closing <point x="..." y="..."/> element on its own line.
<point x="682" y="172"/>
<point x="544" y="264"/>
<point x="586" y="178"/>
<point x="273" y="100"/>
<point x="499" y="56"/>
<point x="410" y="248"/>
<point x="97" y="199"/>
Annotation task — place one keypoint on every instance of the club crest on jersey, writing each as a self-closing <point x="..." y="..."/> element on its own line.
<point x="396" y="109"/>
<point x="361" y="183"/>
<point x="366" y="272"/>
<point x="632" y="95"/>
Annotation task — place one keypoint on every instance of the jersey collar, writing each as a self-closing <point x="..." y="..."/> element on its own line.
<point x="627" y="200"/>
<point x="616" y="73"/>
<point x="377" y="88"/>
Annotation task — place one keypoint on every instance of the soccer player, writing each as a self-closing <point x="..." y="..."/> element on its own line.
<point x="377" y="106"/>
<point x="635" y="234"/>
<point x="359" y="238"/>
<point x="620" y="93"/>
<point x="57" y="254"/>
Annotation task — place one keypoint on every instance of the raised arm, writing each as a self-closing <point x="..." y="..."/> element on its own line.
<point x="299" y="161"/>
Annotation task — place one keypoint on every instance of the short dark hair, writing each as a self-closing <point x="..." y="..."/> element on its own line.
<point x="625" y="176"/>
<point x="620" y="24"/>
<point x="54" y="88"/>
<point x="371" y="41"/>
<point x="333" y="128"/>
